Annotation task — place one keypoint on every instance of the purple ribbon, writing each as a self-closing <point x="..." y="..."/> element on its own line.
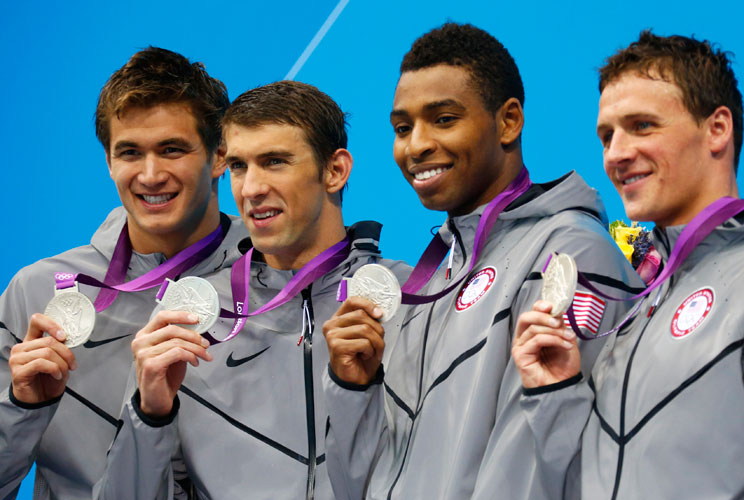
<point x="112" y="283"/>
<point x="696" y="231"/>
<point x="437" y="249"/>
<point x="241" y="277"/>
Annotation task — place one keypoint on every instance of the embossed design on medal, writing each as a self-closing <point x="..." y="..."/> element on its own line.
<point x="378" y="284"/>
<point x="559" y="282"/>
<point x="75" y="313"/>
<point x="195" y="295"/>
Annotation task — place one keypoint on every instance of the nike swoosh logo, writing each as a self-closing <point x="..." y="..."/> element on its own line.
<point x="90" y="344"/>
<point x="232" y="362"/>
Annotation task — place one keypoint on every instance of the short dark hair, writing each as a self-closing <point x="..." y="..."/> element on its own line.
<point x="493" y="71"/>
<point x="156" y="76"/>
<point x="293" y="103"/>
<point x="701" y="71"/>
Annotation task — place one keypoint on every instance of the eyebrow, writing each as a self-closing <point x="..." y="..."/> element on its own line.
<point x="171" y="141"/>
<point x="430" y="107"/>
<point x="267" y="154"/>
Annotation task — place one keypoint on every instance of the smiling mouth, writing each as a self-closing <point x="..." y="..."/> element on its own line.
<point x="633" y="179"/>
<point x="428" y="174"/>
<point x="265" y="215"/>
<point x="157" y="199"/>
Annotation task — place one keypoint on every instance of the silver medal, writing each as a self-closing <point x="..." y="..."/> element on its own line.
<point x="194" y="295"/>
<point x="559" y="283"/>
<point x="378" y="284"/>
<point x="75" y="313"/>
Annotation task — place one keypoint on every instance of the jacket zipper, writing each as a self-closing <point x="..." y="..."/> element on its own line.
<point x="308" y="327"/>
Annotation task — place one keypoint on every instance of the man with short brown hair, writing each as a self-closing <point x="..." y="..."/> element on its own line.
<point x="158" y="119"/>
<point x="664" y="405"/>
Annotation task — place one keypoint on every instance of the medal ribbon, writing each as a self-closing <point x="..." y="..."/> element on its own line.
<point x="112" y="283"/>
<point x="696" y="231"/>
<point x="437" y="249"/>
<point x="241" y="277"/>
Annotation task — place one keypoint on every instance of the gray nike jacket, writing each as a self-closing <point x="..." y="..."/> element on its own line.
<point x="665" y="402"/>
<point x="251" y="422"/>
<point x="68" y="437"/>
<point x="445" y="420"/>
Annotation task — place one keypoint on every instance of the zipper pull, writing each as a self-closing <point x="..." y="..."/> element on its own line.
<point x="448" y="274"/>
<point x="305" y="321"/>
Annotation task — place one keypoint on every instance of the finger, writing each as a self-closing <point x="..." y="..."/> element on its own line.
<point x="174" y="343"/>
<point x="27" y="350"/>
<point x="536" y="318"/>
<point x="360" y="303"/>
<point x="543" y="306"/>
<point x="352" y="318"/>
<point x="533" y="330"/>
<point x="145" y="339"/>
<point x="38" y="366"/>
<point x="359" y="347"/>
<point x="157" y="366"/>
<point x="40" y="323"/>
<point x="341" y="339"/>
<point x="165" y="318"/>
<point x="542" y="341"/>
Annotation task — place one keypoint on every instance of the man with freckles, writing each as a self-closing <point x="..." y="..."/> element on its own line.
<point x="158" y="120"/>
<point x="250" y="421"/>
<point x="661" y="414"/>
<point x="440" y="417"/>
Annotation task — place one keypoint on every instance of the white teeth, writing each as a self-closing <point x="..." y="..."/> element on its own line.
<point x="420" y="176"/>
<point x="266" y="215"/>
<point x="633" y="179"/>
<point x="158" y="198"/>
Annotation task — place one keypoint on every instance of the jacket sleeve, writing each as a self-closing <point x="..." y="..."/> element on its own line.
<point x="143" y="457"/>
<point x="543" y="427"/>
<point x="21" y="426"/>
<point x="356" y="426"/>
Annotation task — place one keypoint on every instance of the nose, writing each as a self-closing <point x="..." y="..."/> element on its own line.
<point x="152" y="174"/>
<point x="255" y="185"/>
<point x="421" y="143"/>
<point x="620" y="151"/>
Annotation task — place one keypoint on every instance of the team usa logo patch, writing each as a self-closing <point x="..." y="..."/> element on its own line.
<point x="692" y="312"/>
<point x="475" y="288"/>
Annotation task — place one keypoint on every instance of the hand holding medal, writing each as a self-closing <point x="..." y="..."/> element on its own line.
<point x="40" y="365"/>
<point x="544" y="350"/>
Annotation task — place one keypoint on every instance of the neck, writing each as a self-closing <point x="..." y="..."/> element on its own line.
<point x="172" y="242"/>
<point x="330" y="233"/>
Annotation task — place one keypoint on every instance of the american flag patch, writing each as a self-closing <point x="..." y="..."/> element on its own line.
<point x="588" y="310"/>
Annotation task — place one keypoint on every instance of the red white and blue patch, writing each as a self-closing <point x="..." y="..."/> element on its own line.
<point x="588" y="310"/>
<point x="475" y="288"/>
<point x="692" y="312"/>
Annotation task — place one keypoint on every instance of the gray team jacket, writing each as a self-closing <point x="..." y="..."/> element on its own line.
<point x="665" y="402"/>
<point x="446" y="422"/>
<point x="251" y="423"/>
<point x="68" y="437"/>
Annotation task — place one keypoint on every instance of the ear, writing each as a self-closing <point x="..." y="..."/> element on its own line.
<point x="337" y="171"/>
<point x="218" y="161"/>
<point x="511" y="120"/>
<point x="720" y="130"/>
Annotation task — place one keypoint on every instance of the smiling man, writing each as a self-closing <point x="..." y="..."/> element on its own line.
<point x="442" y="419"/>
<point x="664" y="406"/>
<point x="158" y="119"/>
<point x="251" y="422"/>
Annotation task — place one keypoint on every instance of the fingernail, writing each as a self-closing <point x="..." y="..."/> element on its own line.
<point x="209" y="356"/>
<point x="569" y="334"/>
<point x="57" y="376"/>
<point x="555" y="322"/>
<point x="60" y="335"/>
<point x="193" y="317"/>
<point x="73" y="365"/>
<point x="377" y="312"/>
<point x="204" y="342"/>
<point x="567" y="344"/>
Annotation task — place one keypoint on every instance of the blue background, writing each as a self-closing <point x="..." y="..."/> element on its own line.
<point x="57" y="55"/>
